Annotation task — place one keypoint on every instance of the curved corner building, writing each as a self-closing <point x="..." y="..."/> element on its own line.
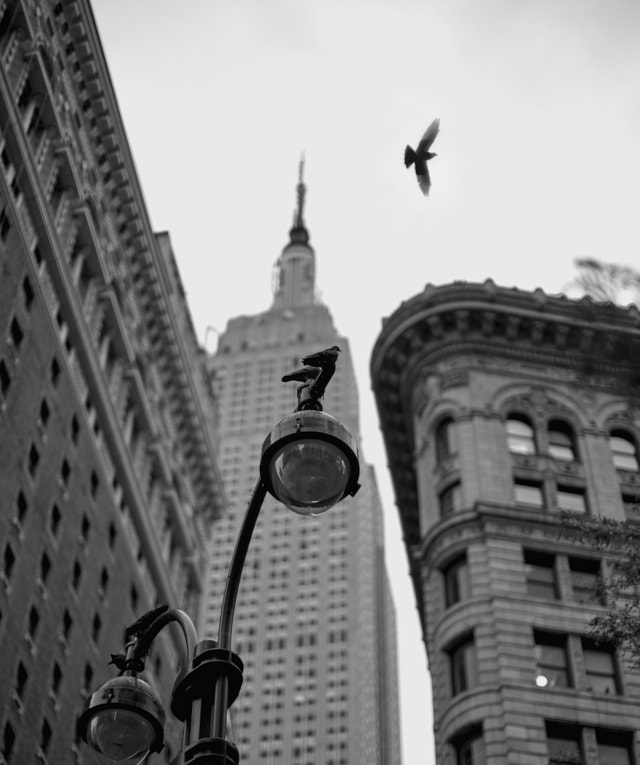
<point x="500" y="408"/>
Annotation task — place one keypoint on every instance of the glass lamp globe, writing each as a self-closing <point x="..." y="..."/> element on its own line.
<point x="309" y="476"/>
<point x="310" y="462"/>
<point x="120" y="736"/>
<point x="123" y="721"/>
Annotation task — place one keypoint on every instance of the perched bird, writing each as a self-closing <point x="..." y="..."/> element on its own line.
<point x="422" y="155"/>
<point x="144" y="622"/>
<point x="120" y="661"/>
<point x="302" y="375"/>
<point x="322" y="359"/>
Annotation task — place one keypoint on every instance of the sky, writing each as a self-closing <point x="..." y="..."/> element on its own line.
<point x="538" y="164"/>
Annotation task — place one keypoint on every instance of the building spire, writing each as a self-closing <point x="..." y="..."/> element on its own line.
<point x="295" y="271"/>
<point x="298" y="234"/>
<point x="301" y="190"/>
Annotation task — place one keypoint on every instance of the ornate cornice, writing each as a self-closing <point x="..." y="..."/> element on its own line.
<point x="127" y="231"/>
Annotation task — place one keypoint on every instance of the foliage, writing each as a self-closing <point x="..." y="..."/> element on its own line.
<point x="619" y="587"/>
<point x="607" y="282"/>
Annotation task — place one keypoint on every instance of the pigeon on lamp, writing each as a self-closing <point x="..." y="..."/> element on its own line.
<point x="144" y="622"/>
<point x="422" y="155"/>
<point x="318" y="370"/>
<point x="322" y="359"/>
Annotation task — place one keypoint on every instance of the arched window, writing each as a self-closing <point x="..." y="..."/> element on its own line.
<point x="444" y="437"/>
<point x="470" y="749"/>
<point x="457" y="584"/>
<point x="450" y="499"/>
<point x="561" y="441"/>
<point x="521" y="437"/>
<point x="623" y="450"/>
<point x="464" y="667"/>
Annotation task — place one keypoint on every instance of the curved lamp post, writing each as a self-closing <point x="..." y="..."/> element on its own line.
<point x="309" y="463"/>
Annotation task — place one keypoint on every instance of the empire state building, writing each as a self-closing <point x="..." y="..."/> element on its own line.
<point x="315" y="624"/>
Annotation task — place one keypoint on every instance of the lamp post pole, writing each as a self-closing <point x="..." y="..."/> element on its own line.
<point x="309" y="462"/>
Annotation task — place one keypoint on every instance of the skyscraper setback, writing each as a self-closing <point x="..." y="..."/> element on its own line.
<point x="315" y="624"/>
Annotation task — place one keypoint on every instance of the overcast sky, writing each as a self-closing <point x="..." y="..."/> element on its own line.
<point x="538" y="164"/>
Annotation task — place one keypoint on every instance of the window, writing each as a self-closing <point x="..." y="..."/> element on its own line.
<point x="540" y="574"/>
<point x="445" y="446"/>
<point x="67" y="624"/>
<point x="45" y="567"/>
<point x="561" y="441"/>
<point x="8" y="740"/>
<point x="56" y="678"/>
<point x="96" y="627"/>
<point x="571" y="499"/>
<point x="28" y="293"/>
<point x="5" y="225"/>
<point x="75" y="429"/>
<point x="95" y="483"/>
<point x="21" y="679"/>
<point x="520" y="435"/>
<point x="54" y="523"/>
<point x="631" y="504"/>
<point x="65" y="472"/>
<point x="34" y="620"/>
<point x="564" y="745"/>
<point x="463" y="666"/>
<point x="22" y="506"/>
<point x="16" y="333"/>
<point x="551" y="656"/>
<point x="614" y="747"/>
<point x="55" y="371"/>
<point x="600" y="666"/>
<point x="470" y="750"/>
<point x="104" y="580"/>
<point x="9" y="561"/>
<point x="585" y="577"/>
<point x="88" y="677"/>
<point x="76" y="575"/>
<point x="33" y="460"/>
<point x="450" y="499"/>
<point x="529" y="493"/>
<point x="45" y="412"/>
<point x="45" y="736"/>
<point x="456" y="582"/>
<point x="5" y="379"/>
<point x="623" y="450"/>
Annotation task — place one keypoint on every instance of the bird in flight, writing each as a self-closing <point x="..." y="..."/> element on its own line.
<point x="422" y="155"/>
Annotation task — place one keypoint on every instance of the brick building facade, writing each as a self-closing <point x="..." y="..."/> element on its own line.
<point x="499" y="408"/>
<point x="107" y="462"/>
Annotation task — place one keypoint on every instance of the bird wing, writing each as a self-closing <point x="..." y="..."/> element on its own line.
<point x="429" y="136"/>
<point x="321" y="357"/>
<point x="301" y="375"/>
<point x="424" y="181"/>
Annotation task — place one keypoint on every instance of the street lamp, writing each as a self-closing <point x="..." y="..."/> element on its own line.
<point x="309" y="463"/>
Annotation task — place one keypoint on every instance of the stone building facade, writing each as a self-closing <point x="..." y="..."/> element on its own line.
<point x="315" y="622"/>
<point x="500" y="408"/>
<point x="108" y="465"/>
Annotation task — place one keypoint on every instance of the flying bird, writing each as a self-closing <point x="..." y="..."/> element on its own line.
<point x="322" y="359"/>
<point x="422" y="155"/>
